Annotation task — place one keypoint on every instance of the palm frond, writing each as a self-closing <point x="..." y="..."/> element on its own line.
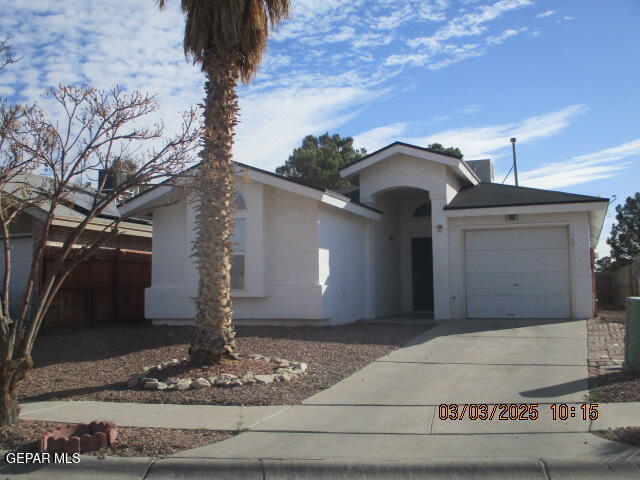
<point x="232" y="29"/>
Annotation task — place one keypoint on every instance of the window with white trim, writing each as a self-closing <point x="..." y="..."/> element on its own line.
<point x="238" y="248"/>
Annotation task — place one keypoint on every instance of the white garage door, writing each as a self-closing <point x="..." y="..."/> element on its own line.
<point x="522" y="273"/>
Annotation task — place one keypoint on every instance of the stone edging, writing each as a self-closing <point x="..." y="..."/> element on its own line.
<point x="285" y="372"/>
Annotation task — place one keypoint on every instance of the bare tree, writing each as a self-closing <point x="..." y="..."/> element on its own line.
<point x="6" y="54"/>
<point x="96" y="130"/>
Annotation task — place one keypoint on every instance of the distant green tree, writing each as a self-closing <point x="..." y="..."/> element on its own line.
<point x="625" y="234"/>
<point x="604" y="264"/>
<point x="318" y="160"/>
<point x="438" y="148"/>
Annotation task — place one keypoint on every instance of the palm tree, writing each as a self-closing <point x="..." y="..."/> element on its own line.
<point x="227" y="38"/>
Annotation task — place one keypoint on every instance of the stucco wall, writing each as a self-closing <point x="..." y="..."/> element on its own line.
<point x="281" y="259"/>
<point x="386" y="258"/>
<point x="290" y="260"/>
<point x="342" y="265"/>
<point x="580" y="268"/>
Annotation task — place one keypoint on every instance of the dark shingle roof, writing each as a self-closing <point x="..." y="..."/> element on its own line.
<point x="485" y="195"/>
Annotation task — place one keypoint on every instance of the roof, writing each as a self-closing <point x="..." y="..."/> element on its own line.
<point x="487" y="195"/>
<point x="259" y="170"/>
<point x="77" y="202"/>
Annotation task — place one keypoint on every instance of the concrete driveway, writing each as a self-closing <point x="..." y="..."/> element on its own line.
<point x="389" y="410"/>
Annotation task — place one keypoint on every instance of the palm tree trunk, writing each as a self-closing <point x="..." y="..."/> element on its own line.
<point x="12" y="373"/>
<point x="213" y="335"/>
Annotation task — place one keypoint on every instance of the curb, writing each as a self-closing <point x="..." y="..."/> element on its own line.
<point x="266" y="469"/>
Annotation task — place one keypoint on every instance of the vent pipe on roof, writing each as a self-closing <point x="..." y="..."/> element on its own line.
<point x="515" y="165"/>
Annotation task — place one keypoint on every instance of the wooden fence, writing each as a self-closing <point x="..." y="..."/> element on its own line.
<point x="107" y="288"/>
<point x="612" y="288"/>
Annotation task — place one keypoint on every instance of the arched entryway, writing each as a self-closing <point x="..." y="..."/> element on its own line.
<point x="404" y="252"/>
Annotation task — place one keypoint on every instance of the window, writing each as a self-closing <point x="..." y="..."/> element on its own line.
<point x="239" y="202"/>
<point x="237" y="254"/>
<point x="423" y="210"/>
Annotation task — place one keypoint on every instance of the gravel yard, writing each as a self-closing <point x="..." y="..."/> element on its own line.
<point x="93" y="364"/>
<point x="131" y="441"/>
<point x="630" y="435"/>
<point x="605" y="344"/>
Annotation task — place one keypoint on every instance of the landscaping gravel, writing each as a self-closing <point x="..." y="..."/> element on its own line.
<point x="605" y="345"/>
<point x="630" y="435"/>
<point x="93" y="364"/>
<point x="131" y="441"/>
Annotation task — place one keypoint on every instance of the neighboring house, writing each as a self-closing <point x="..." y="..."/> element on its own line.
<point x="26" y="228"/>
<point x="422" y="232"/>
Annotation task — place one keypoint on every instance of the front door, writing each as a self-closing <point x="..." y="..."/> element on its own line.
<point x="422" y="273"/>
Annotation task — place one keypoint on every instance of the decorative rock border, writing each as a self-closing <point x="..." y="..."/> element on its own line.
<point x="78" y="437"/>
<point x="286" y="371"/>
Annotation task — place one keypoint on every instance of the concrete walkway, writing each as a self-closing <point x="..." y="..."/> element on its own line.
<point x="389" y="410"/>
<point x="210" y="417"/>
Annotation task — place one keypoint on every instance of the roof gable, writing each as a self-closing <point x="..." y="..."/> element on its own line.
<point x="459" y="166"/>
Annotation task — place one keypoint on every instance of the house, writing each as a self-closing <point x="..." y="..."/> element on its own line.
<point x="422" y="232"/>
<point x="77" y="295"/>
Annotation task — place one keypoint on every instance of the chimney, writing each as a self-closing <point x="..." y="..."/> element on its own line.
<point x="483" y="169"/>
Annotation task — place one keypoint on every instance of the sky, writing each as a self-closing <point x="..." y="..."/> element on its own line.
<point x="561" y="77"/>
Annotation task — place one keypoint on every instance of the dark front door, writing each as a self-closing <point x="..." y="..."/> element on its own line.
<point x="422" y="272"/>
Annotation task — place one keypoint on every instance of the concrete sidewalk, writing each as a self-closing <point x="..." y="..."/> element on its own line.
<point x="356" y="419"/>
<point x="210" y="417"/>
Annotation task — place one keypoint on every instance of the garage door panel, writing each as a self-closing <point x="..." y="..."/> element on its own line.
<point x="519" y="306"/>
<point x="544" y="260"/>
<point x="518" y="273"/>
<point x="521" y="238"/>
<point x="538" y="283"/>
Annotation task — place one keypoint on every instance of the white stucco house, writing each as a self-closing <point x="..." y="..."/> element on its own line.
<point x="420" y="232"/>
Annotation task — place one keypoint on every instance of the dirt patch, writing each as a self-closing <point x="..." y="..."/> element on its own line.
<point x="93" y="364"/>
<point x="629" y="435"/>
<point x="131" y="441"/>
<point x="605" y="345"/>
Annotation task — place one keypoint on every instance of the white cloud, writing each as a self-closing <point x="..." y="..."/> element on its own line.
<point x="470" y="23"/>
<point x="414" y="59"/>
<point x="498" y="39"/>
<point x="472" y="109"/>
<point x="272" y="125"/>
<point x="379" y="137"/>
<point x="441" y="49"/>
<point x="583" y="168"/>
<point x="548" y="13"/>
<point x="486" y="141"/>
<point x="612" y="154"/>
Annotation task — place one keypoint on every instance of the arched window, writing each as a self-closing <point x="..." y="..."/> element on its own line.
<point x="239" y="202"/>
<point x="423" y="210"/>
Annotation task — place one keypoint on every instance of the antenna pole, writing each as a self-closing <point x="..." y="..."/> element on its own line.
<point x="515" y="165"/>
